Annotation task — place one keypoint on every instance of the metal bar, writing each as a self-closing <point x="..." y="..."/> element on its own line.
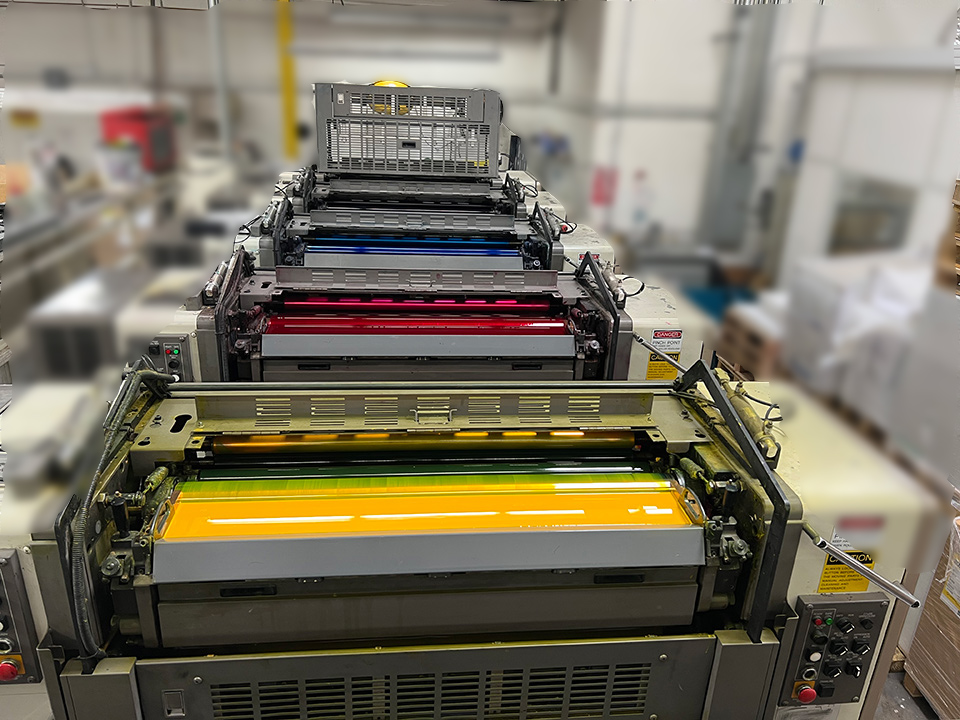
<point x="666" y="358"/>
<point x="606" y="297"/>
<point x="888" y="586"/>
<point x="770" y="560"/>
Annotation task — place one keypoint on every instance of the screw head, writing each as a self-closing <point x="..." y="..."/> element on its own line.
<point x="654" y="716"/>
<point x="26" y="550"/>
<point x="3" y="561"/>
<point x="856" y="698"/>
<point x="663" y="658"/>
<point x="198" y="680"/>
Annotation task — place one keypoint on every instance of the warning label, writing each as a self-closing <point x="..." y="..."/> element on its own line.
<point x="660" y="369"/>
<point x="837" y="577"/>
<point x="669" y="342"/>
<point x="950" y="595"/>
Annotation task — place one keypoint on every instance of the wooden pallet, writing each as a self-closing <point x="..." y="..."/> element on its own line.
<point x="896" y="663"/>
<point x="910" y="685"/>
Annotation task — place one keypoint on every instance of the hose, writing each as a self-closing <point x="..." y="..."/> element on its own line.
<point x="90" y="651"/>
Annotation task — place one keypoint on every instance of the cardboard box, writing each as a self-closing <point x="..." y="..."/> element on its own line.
<point x="933" y="662"/>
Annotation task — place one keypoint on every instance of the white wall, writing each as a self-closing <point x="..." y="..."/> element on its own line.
<point x="661" y="66"/>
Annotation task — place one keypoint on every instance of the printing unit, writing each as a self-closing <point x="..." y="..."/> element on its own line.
<point x="395" y="550"/>
<point x="407" y="251"/>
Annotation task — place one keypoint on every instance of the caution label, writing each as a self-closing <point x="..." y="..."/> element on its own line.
<point x="660" y="369"/>
<point x="837" y="577"/>
<point x="668" y="342"/>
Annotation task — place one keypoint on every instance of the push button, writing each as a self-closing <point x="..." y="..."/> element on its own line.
<point x="807" y="695"/>
<point x="8" y="671"/>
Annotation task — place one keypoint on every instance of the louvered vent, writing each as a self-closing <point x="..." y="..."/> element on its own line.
<point x="584" y="409"/>
<point x="232" y="702"/>
<point x="327" y="411"/>
<point x="534" y="409"/>
<point x="484" y="410"/>
<point x="548" y="693"/>
<point x="273" y="412"/>
<point x="381" y="411"/>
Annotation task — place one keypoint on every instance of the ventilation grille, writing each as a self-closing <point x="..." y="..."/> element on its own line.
<point x="408" y="104"/>
<point x="273" y="412"/>
<point x="551" y="693"/>
<point x="409" y="147"/>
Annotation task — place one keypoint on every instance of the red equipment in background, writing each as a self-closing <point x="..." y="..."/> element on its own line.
<point x="150" y="129"/>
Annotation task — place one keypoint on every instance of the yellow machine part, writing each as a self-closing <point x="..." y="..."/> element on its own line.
<point x="378" y="506"/>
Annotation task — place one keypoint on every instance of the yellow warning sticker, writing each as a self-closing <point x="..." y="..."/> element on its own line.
<point x="660" y="369"/>
<point x="837" y="577"/>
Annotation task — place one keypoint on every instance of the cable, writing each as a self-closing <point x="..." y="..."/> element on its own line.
<point x="566" y="226"/>
<point x="771" y="406"/>
<point x="246" y="226"/>
<point x="531" y="189"/>
<point x="642" y="285"/>
<point x="129" y="392"/>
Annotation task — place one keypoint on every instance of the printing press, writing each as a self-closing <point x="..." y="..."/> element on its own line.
<point x="402" y="261"/>
<point x="478" y="534"/>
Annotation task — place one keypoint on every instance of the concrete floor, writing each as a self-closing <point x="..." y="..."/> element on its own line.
<point x="896" y="703"/>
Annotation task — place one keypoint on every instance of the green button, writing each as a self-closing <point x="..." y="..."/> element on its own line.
<point x="176" y="351"/>
<point x="829" y="621"/>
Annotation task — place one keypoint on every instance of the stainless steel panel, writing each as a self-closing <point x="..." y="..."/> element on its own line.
<point x="397" y="261"/>
<point x="404" y="346"/>
<point x="416" y="280"/>
<point x="455" y="369"/>
<point x="309" y="557"/>
<point x="634" y="679"/>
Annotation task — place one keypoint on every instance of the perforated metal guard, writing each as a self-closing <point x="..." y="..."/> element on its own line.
<point x="626" y="679"/>
<point x="541" y="693"/>
<point x="407" y="131"/>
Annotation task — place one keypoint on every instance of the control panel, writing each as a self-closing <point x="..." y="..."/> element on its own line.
<point x="837" y="636"/>
<point x="18" y="641"/>
<point x="170" y="354"/>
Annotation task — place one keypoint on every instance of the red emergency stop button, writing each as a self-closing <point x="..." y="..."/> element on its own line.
<point x="807" y="695"/>
<point x="8" y="671"/>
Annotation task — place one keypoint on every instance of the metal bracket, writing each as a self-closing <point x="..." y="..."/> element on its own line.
<point x="770" y="559"/>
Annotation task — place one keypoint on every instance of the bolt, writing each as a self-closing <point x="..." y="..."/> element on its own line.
<point x="3" y="561"/>
<point x="31" y="678"/>
<point x="654" y="716"/>
<point x="198" y="680"/>
<point x="856" y="698"/>
<point x="809" y="607"/>
<point x="884" y="603"/>
<point x="663" y="658"/>
<point x="26" y="550"/>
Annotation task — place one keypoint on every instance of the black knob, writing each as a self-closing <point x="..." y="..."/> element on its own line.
<point x="173" y="363"/>
<point x="866" y="624"/>
<point x="818" y="637"/>
<point x="845" y="626"/>
<point x="831" y="670"/>
<point x="860" y="647"/>
<point x="154" y="348"/>
<point x="853" y="669"/>
<point x="838" y="646"/>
